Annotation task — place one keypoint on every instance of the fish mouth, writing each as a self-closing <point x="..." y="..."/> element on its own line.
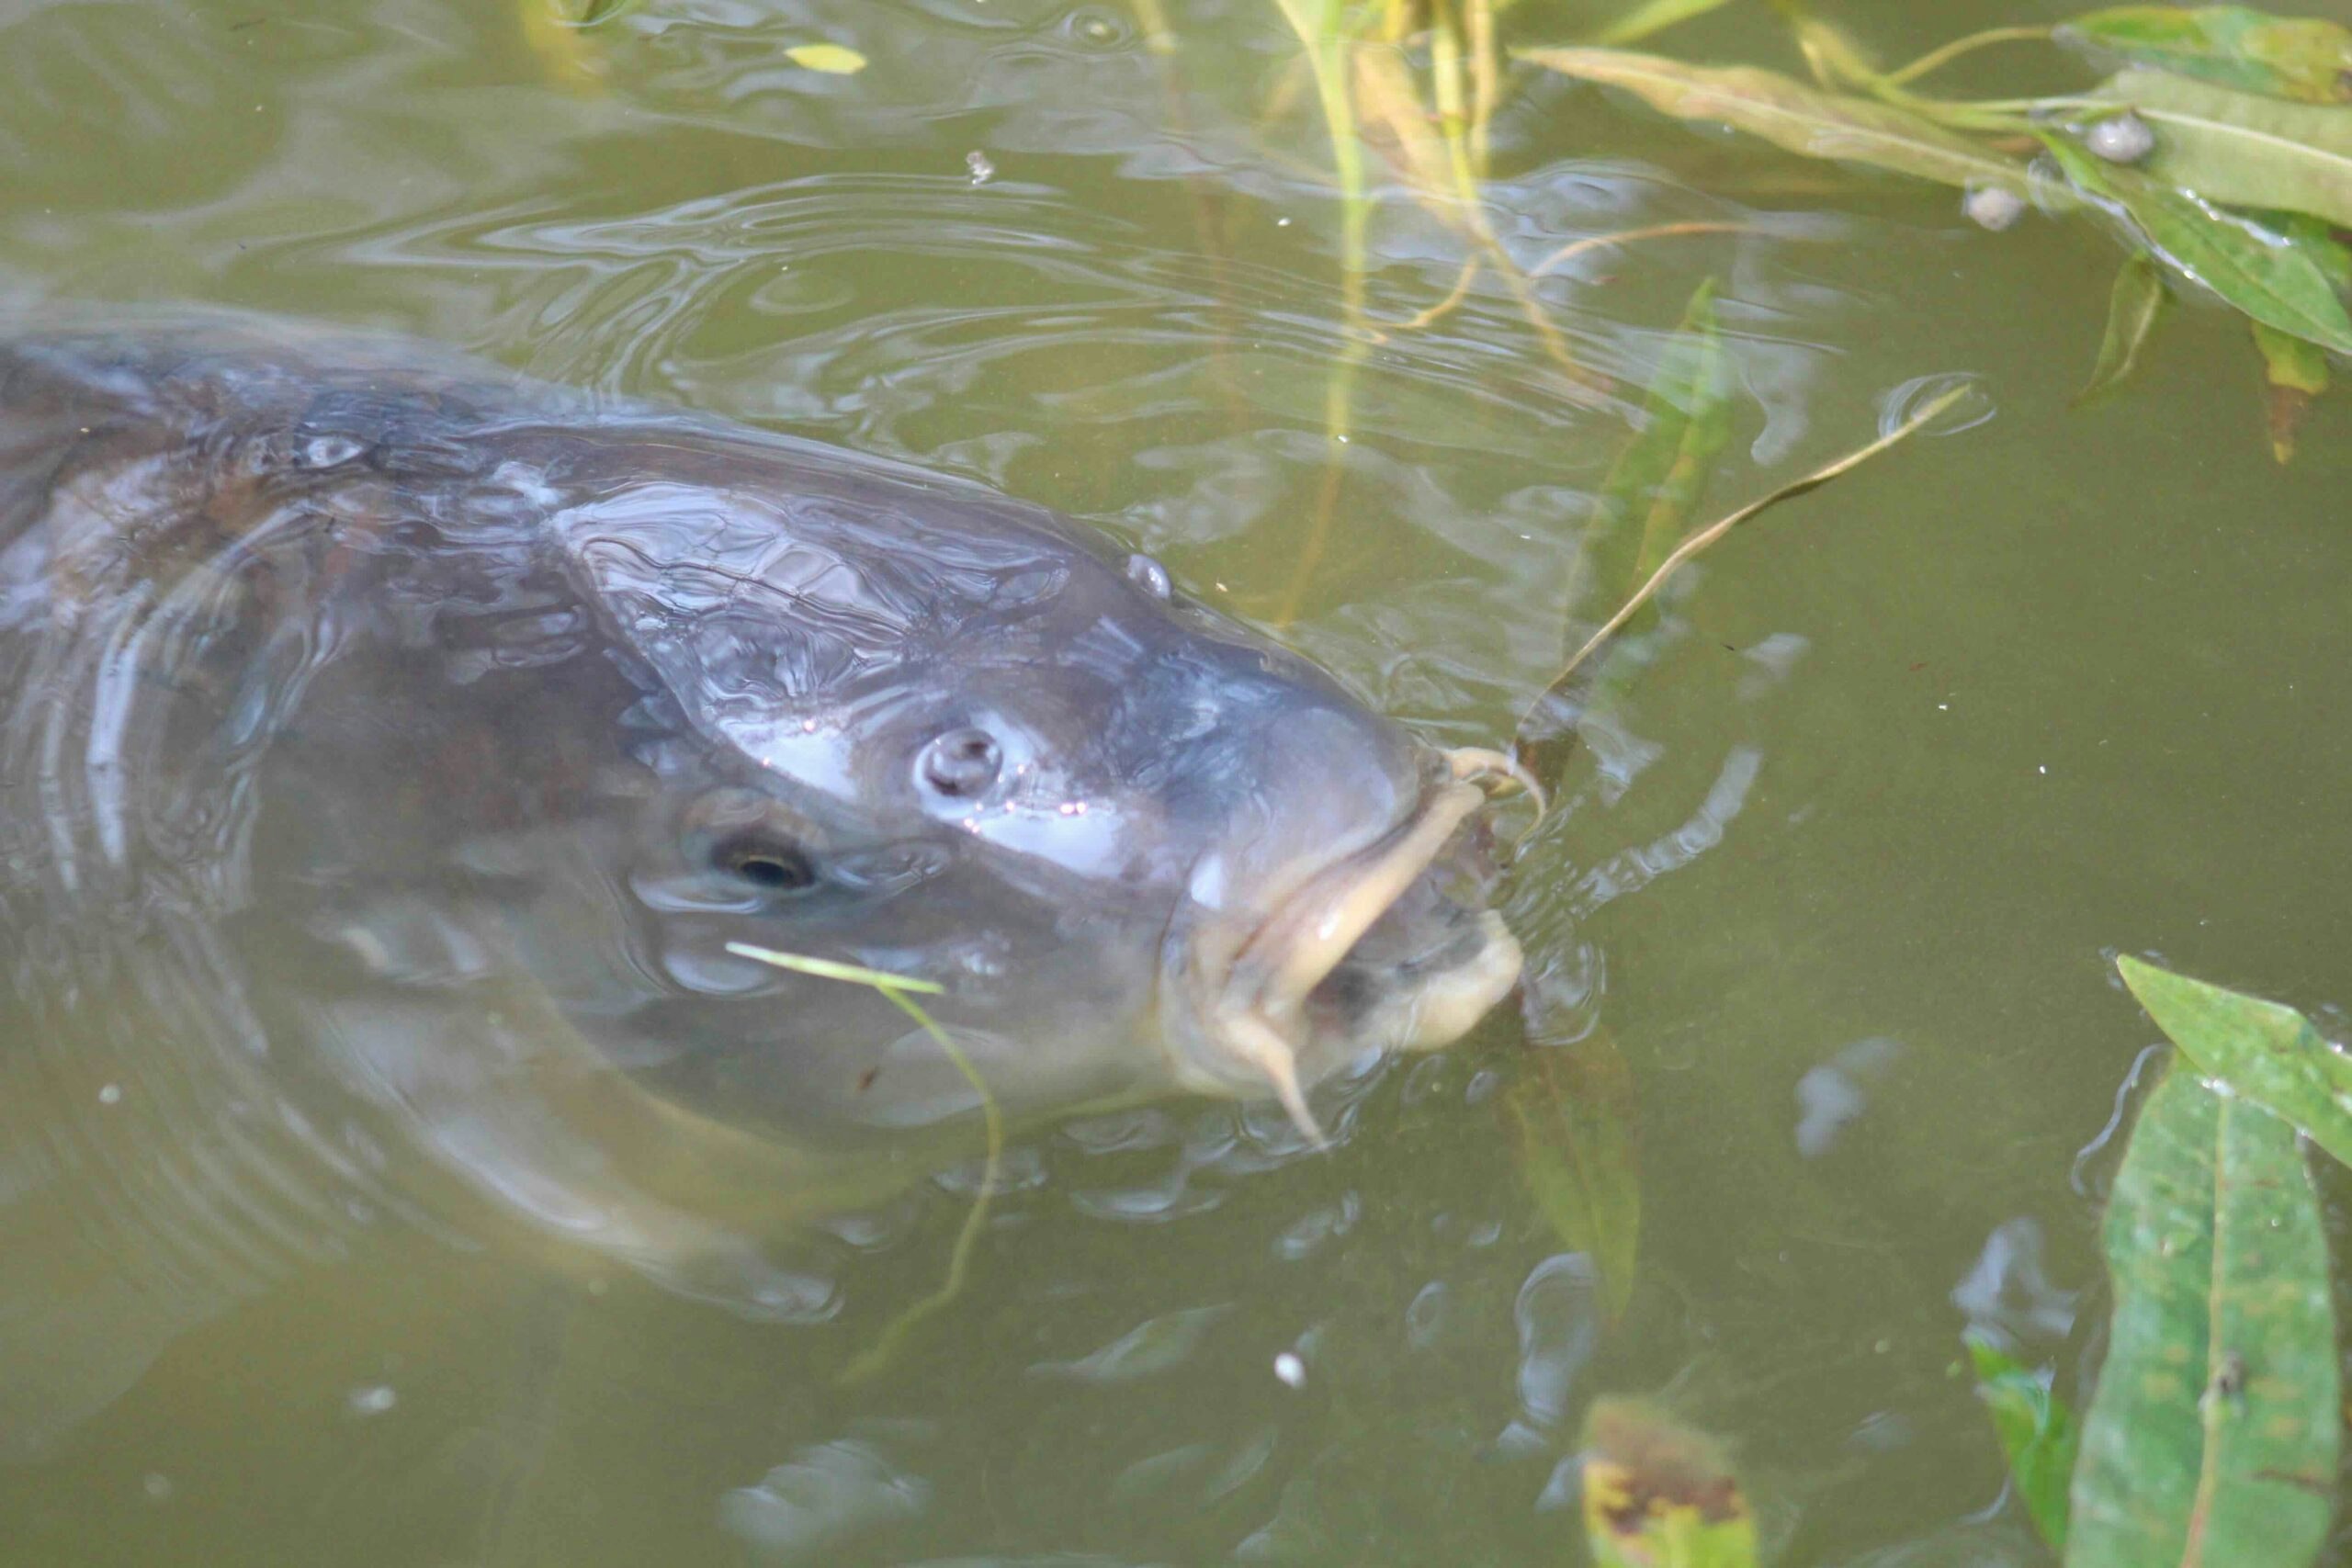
<point x="1366" y="950"/>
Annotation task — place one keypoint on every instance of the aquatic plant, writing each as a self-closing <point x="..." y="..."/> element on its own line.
<point x="900" y="991"/>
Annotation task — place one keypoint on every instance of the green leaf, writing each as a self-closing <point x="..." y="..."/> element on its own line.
<point x="1651" y="16"/>
<point x="2316" y="239"/>
<point x="2241" y="149"/>
<point x="2233" y="45"/>
<point x="1660" y="1495"/>
<point x="2293" y="365"/>
<point x="2295" y="374"/>
<point x="1570" y="1121"/>
<point x="1646" y="502"/>
<point x="2246" y="264"/>
<point x="2037" y="1433"/>
<point x="2212" y="1438"/>
<point x="1643" y="510"/>
<point x="833" y="59"/>
<point x="1791" y="114"/>
<point x="2133" y="307"/>
<point x="2266" y="1052"/>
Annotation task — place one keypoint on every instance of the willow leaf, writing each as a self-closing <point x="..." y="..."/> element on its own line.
<point x="2295" y="374"/>
<point x="1642" y="513"/>
<point x="1570" y="1121"/>
<point x="2133" y="307"/>
<point x="1646" y="502"/>
<point x="2267" y="1052"/>
<point x="2247" y="265"/>
<point x="2212" y="1438"/>
<point x="2236" y="46"/>
<point x="1792" y="115"/>
<point x="2243" y="148"/>
<point x="2037" y="1433"/>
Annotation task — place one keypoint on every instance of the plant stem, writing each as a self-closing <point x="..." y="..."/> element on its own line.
<point x="1716" y="530"/>
<point x="1936" y="59"/>
<point x="1575" y="248"/>
<point x="1486" y="84"/>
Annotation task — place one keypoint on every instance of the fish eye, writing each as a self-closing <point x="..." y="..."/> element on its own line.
<point x="1150" y="576"/>
<point x="962" y="762"/>
<point x="769" y="864"/>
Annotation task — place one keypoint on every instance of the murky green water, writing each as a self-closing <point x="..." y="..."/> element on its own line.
<point x="1917" y="756"/>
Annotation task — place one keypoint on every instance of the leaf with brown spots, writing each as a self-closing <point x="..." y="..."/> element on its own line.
<point x="1660" y="1495"/>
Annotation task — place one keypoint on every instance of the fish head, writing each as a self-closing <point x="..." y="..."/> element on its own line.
<point x="1128" y="845"/>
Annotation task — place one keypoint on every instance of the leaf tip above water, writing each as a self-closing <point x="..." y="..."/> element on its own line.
<point x="833" y="59"/>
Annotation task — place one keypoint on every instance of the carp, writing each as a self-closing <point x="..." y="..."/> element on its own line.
<point x="398" y="758"/>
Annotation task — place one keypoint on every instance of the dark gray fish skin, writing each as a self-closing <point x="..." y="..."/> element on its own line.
<point x="390" y="750"/>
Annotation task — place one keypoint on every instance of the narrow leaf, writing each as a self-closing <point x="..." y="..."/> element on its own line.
<point x="1570" y="1121"/>
<point x="2133" y="307"/>
<point x="2037" y="1433"/>
<point x="2243" y="148"/>
<point x="1398" y="125"/>
<point x="833" y="59"/>
<point x="1791" y="114"/>
<point x="1553" y="698"/>
<point x="2294" y="373"/>
<point x="1653" y="16"/>
<point x="2212" y="1438"/>
<point x="1831" y="52"/>
<point x="2246" y="264"/>
<point x="826" y="968"/>
<point x="1644" y="504"/>
<point x="1660" y="1495"/>
<point x="2317" y="239"/>
<point x="2236" y="46"/>
<point x="2268" y="1053"/>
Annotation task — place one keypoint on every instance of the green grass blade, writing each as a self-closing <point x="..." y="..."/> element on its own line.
<point x="826" y="969"/>
<point x="2212" y="1438"/>
<point x="901" y="991"/>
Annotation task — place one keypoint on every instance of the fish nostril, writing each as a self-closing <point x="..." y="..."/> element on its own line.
<point x="1150" y="576"/>
<point x="962" y="762"/>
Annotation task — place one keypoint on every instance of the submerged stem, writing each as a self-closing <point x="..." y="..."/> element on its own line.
<point x="1715" y="531"/>
<point x="1327" y="41"/>
<point x="1575" y="248"/>
<point x="1937" y="59"/>
<point x="959" y="1261"/>
<point x="896" y="989"/>
<point x="1486" y="84"/>
<point x="1431" y="315"/>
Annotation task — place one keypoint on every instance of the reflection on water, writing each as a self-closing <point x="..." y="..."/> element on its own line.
<point x="1904" y="761"/>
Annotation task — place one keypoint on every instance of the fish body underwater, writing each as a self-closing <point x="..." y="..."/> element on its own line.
<point x="394" y="754"/>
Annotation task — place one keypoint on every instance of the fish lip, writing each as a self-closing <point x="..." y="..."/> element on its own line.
<point x="1246" y="999"/>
